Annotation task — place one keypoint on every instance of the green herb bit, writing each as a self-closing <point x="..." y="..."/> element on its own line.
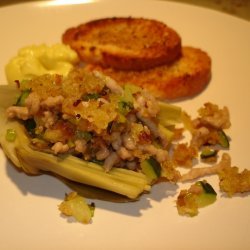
<point x="11" y="135"/>
<point x="24" y="84"/>
<point x="90" y="96"/>
<point x="23" y="97"/>
<point x="87" y="136"/>
<point x="99" y="162"/>
<point x="124" y="107"/>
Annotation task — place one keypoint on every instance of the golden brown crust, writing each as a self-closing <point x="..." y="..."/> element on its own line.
<point x="124" y="43"/>
<point x="185" y="77"/>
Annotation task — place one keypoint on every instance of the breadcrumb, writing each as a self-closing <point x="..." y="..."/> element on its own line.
<point x="232" y="181"/>
<point x="183" y="155"/>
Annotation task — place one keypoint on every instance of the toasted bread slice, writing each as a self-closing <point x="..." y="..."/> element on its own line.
<point x="185" y="77"/>
<point x="124" y="43"/>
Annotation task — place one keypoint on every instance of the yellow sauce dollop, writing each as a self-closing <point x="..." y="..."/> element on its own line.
<point x="42" y="59"/>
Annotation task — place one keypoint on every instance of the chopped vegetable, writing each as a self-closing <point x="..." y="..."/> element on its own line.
<point x="169" y="114"/>
<point x="10" y="135"/>
<point x="129" y="91"/>
<point x="208" y="153"/>
<point x="151" y="168"/>
<point x="223" y="139"/>
<point x="167" y="132"/>
<point x="208" y="196"/>
<point x="76" y="206"/>
<point x="90" y="96"/>
<point x="124" y="107"/>
<point x="199" y="195"/>
<point x="84" y="135"/>
<point x="23" y="97"/>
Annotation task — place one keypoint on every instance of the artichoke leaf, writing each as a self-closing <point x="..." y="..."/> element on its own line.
<point x="91" y="192"/>
<point x="121" y="181"/>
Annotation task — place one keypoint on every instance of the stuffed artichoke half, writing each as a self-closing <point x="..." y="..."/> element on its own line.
<point x="88" y="129"/>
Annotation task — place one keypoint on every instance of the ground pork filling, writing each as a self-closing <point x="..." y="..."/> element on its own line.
<point x="89" y="115"/>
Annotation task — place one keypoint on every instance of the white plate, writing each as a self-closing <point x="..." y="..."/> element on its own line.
<point x="29" y="218"/>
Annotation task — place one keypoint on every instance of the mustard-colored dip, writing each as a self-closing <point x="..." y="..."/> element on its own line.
<point x="37" y="60"/>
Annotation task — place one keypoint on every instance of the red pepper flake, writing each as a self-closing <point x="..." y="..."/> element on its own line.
<point x="77" y="102"/>
<point x="17" y="84"/>
<point x="78" y="116"/>
<point x="58" y="79"/>
<point x="145" y="137"/>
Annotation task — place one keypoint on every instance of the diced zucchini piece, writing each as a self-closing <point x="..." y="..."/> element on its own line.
<point x="76" y="206"/>
<point x="208" y="152"/>
<point x="208" y="196"/>
<point x="199" y="195"/>
<point x="151" y="168"/>
<point x="205" y="199"/>
<point x="208" y="189"/>
<point x="223" y="139"/>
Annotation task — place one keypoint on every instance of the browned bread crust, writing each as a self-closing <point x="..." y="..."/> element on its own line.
<point x="124" y="43"/>
<point x="185" y="77"/>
